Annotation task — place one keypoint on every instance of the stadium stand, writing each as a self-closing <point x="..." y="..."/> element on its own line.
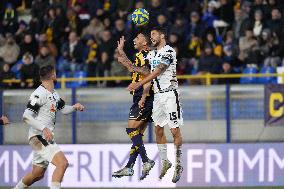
<point x="80" y="35"/>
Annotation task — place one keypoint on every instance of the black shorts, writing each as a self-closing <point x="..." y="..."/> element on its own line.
<point x="143" y="114"/>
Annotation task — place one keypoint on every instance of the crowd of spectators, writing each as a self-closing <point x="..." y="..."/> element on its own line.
<point x="210" y="36"/>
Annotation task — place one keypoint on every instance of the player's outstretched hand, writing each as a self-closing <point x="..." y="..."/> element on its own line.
<point x="5" y="120"/>
<point x="47" y="134"/>
<point x="78" y="107"/>
<point x="120" y="45"/>
<point x="133" y="86"/>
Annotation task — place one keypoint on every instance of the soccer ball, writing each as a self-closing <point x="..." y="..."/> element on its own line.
<point x="140" y="17"/>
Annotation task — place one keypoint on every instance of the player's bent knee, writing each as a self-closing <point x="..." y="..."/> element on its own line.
<point x="159" y="131"/>
<point x="65" y="164"/>
<point x="175" y="132"/>
<point x="37" y="176"/>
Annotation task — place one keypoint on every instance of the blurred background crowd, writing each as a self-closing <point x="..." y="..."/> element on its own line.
<point x="79" y="36"/>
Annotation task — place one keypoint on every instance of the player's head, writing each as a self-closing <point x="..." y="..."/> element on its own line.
<point x="158" y="35"/>
<point x="47" y="73"/>
<point x="142" y="41"/>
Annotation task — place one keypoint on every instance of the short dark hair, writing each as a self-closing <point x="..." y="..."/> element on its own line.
<point x="46" y="71"/>
<point x="161" y="30"/>
<point x="146" y="34"/>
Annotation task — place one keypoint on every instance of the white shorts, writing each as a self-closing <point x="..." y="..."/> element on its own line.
<point x="43" y="154"/>
<point x="167" y="109"/>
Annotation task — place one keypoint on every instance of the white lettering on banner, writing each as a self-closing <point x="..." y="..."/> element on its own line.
<point x="192" y="164"/>
<point x="273" y="157"/>
<point x="17" y="159"/>
<point x="4" y="160"/>
<point x="244" y="159"/>
<point x="207" y="165"/>
<point x="231" y="165"/>
<point x="92" y="166"/>
<point x="84" y="161"/>
<point x="211" y="165"/>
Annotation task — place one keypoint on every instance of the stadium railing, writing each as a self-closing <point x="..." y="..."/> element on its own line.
<point x="208" y="78"/>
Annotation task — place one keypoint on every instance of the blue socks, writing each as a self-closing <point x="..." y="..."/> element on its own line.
<point x="137" y="147"/>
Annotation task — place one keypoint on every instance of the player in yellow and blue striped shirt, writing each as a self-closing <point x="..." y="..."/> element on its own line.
<point x="141" y="110"/>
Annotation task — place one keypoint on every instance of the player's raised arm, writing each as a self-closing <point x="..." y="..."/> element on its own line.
<point x="67" y="109"/>
<point x="124" y="60"/>
<point x="158" y="70"/>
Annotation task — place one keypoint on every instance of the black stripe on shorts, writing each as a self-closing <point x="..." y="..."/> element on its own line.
<point x="178" y="104"/>
<point x="42" y="140"/>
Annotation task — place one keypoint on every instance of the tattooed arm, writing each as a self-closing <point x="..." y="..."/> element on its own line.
<point x="158" y="70"/>
<point x="131" y="67"/>
<point x="123" y="59"/>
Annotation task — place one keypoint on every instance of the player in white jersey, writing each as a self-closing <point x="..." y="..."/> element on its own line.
<point x="40" y="115"/>
<point x="166" y="107"/>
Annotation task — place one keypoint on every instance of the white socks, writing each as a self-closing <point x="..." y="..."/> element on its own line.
<point x="55" y="185"/>
<point x="178" y="154"/>
<point x="20" y="185"/>
<point x="163" y="151"/>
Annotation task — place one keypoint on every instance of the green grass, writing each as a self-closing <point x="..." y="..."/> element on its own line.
<point x="282" y="187"/>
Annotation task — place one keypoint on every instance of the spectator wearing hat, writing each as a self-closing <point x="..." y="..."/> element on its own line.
<point x="29" y="70"/>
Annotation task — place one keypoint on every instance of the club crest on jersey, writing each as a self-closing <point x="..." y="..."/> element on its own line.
<point x="52" y="108"/>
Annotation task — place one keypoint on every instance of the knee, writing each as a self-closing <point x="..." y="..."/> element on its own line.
<point x="64" y="164"/>
<point x="175" y="132"/>
<point x="37" y="176"/>
<point x="159" y="132"/>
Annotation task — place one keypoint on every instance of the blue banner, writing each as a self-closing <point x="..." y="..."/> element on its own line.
<point x="274" y="100"/>
<point x="226" y="165"/>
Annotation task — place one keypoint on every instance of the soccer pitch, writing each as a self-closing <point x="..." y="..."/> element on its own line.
<point x="267" y="187"/>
